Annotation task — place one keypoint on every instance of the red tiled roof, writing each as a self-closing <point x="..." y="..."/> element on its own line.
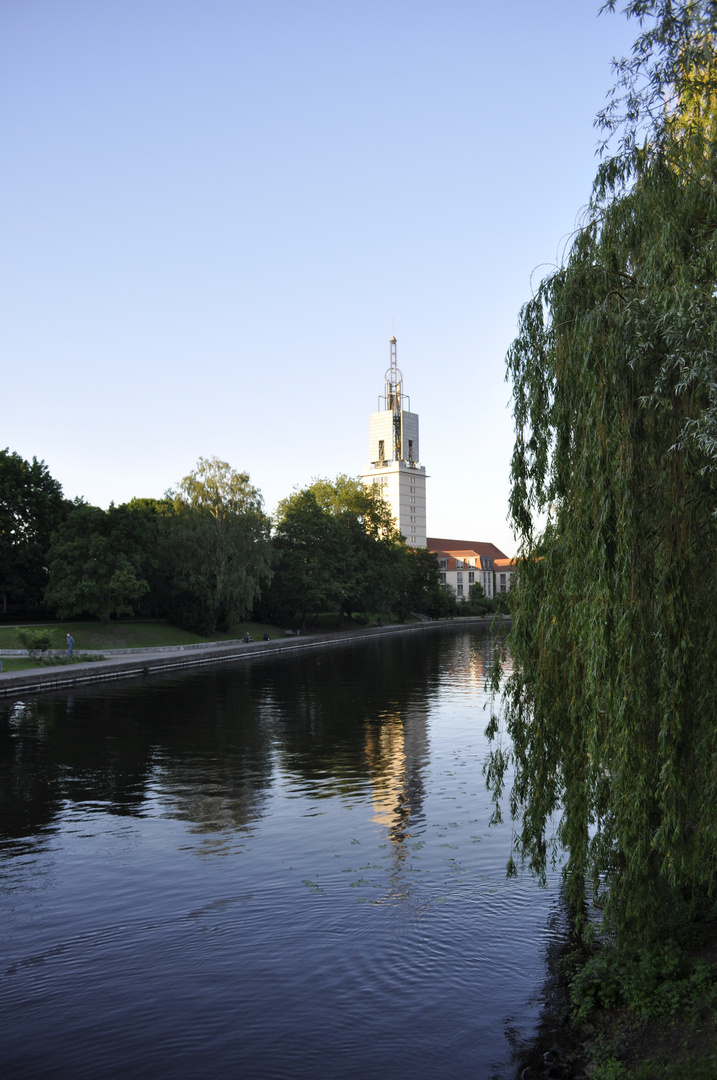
<point x="464" y="548"/>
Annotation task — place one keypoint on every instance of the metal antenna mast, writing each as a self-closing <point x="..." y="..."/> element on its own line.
<point x="394" y="393"/>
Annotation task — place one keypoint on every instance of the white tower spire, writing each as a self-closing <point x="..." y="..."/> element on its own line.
<point x="395" y="457"/>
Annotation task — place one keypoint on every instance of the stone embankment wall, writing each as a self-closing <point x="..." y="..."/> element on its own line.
<point x="128" y="663"/>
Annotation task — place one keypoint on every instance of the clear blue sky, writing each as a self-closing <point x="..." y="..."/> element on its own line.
<point x="212" y="209"/>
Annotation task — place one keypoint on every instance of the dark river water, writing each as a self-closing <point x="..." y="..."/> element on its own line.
<point x="282" y="869"/>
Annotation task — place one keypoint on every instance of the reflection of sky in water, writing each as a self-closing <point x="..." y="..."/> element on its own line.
<point x="277" y="871"/>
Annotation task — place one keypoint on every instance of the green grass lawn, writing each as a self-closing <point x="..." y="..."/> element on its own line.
<point x="15" y="663"/>
<point x="130" y="634"/>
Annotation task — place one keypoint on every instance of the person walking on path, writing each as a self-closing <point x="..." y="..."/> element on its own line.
<point x="70" y="643"/>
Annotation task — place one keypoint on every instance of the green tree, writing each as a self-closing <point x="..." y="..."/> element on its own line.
<point x="611" y="703"/>
<point x="418" y="586"/>
<point x="95" y="563"/>
<point x="371" y="544"/>
<point x="151" y="518"/>
<point x="215" y="547"/>
<point x="309" y="561"/>
<point x="337" y="550"/>
<point x="31" y="508"/>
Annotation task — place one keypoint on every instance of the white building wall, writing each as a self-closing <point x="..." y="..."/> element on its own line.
<point x="503" y="579"/>
<point x="381" y="430"/>
<point x="410" y="436"/>
<point x="462" y="576"/>
<point x="404" y="489"/>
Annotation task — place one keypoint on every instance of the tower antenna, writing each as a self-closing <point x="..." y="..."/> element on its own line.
<point x="395" y="468"/>
<point x="394" y="388"/>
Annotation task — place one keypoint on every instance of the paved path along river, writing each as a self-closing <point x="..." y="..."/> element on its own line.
<point x="125" y="663"/>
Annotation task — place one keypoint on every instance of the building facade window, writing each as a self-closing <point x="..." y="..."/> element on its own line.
<point x="459" y="577"/>
<point x="443" y="579"/>
<point x="471" y="578"/>
<point x="459" y="590"/>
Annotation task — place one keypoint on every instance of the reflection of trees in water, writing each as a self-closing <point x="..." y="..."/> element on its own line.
<point x="56" y="750"/>
<point x="467" y="659"/>
<point x="203" y="745"/>
<point x="29" y="795"/>
<point x="194" y="742"/>
<point x="335" y="714"/>
<point x="217" y="770"/>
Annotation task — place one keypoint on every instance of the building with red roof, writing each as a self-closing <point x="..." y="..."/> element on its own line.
<point x="464" y="563"/>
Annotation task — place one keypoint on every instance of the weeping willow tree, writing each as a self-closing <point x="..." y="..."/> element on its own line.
<point x="612" y="706"/>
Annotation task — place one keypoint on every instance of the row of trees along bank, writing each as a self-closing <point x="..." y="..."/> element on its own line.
<point x="612" y="702"/>
<point x="207" y="554"/>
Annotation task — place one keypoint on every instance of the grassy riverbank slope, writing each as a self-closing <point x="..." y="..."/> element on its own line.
<point x="95" y="636"/>
<point x="129" y="634"/>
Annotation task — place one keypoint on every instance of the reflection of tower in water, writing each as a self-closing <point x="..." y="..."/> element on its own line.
<point x="397" y="751"/>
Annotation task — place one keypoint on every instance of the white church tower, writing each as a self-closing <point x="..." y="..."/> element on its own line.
<point x="395" y="458"/>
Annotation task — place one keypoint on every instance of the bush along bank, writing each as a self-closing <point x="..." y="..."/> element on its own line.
<point x="615" y="1013"/>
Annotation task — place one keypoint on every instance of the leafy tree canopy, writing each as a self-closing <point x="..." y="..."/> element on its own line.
<point x="31" y="507"/>
<point x="418" y="586"/>
<point x="96" y="561"/>
<point x="309" y="560"/>
<point x="611" y="703"/>
<point x="663" y="94"/>
<point x="216" y="489"/>
<point x="337" y="550"/>
<point x="215" y="544"/>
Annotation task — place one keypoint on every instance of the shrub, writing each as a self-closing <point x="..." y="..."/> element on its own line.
<point x="653" y="983"/>
<point x="37" y="642"/>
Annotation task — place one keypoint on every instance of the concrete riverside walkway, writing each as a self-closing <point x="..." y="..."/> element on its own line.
<point x="125" y="663"/>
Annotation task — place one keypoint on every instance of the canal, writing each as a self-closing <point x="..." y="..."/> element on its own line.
<point x="277" y="870"/>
